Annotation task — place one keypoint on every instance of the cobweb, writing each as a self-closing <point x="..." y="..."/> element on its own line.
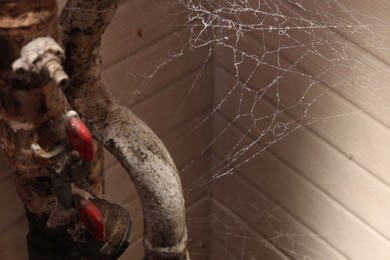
<point x="284" y="72"/>
<point x="288" y="56"/>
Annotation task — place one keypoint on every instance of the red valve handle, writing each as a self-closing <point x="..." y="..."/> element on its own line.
<point x="91" y="217"/>
<point x="79" y="136"/>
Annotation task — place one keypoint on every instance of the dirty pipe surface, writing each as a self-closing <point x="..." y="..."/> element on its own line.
<point x="31" y="112"/>
<point x="134" y="144"/>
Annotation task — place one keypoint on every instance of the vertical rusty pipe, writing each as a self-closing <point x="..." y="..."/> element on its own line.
<point x="31" y="107"/>
<point x="31" y="111"/>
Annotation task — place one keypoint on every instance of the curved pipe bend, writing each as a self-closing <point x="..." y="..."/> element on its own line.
<point x="156" y="179"/>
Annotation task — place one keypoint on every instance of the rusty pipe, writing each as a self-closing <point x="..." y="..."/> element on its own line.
<point x="156" y="179"/>
<point x="139" y="150"/>
<point x="31" y="112"/>
<point x="148" y="164"/>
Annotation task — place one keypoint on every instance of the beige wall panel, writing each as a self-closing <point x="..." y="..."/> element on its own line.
<point x="341" y="178"/>
<point x="173" y="106"/>
<point x="191" y="175"/>
<point x="323" y="55"/>
<point x="137" y="24"/>
<point x="119" y="187"/>
<point x="349" y="128"/>
<point x="200" y="250"/>
<point x="158" y="65"/>
<point x="197" y="224"/>
<point x="272" y="221"/>
<point x="176" y="103"/>
<point x="236" y="235"/>
<point x="305" y="201"/>
<point x="363" y="22"/>
<point x="268" y="217"/>
<point x="325" y="166"/>
<point x="190" y="141"/>
<point x="109" y="159"/>
<point x="189" y="145"/>
<point x="218" y="251"/>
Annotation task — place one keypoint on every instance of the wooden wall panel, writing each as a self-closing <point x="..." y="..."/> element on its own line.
<point x="238" y="237"/>
<point x="201" y="249"/>
<point x="348" y="127"/>
<point x="218" y="251"/>
<point x="349" y="169"/>
<point x="139" y="75"/>
<point x="177" y="103"/>
<point x="195" y="134"/>
<point x="364" y="23"/>
<point x="132" y="29"/>
<point x="316" y="208"/>
<point x="191" y="175"/>
<point x="267" y="216"/>
<point x="197" y="224"/>
<point x="285" y="233"/>
<point x="321" y="53"/>
<point x="330" y="175"/>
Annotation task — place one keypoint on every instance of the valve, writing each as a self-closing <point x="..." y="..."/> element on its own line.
<point x="69" y="162"/>
<point x="79" y="136"/>
<point x="91" y="217"/>
<point x="43" y="54"/>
